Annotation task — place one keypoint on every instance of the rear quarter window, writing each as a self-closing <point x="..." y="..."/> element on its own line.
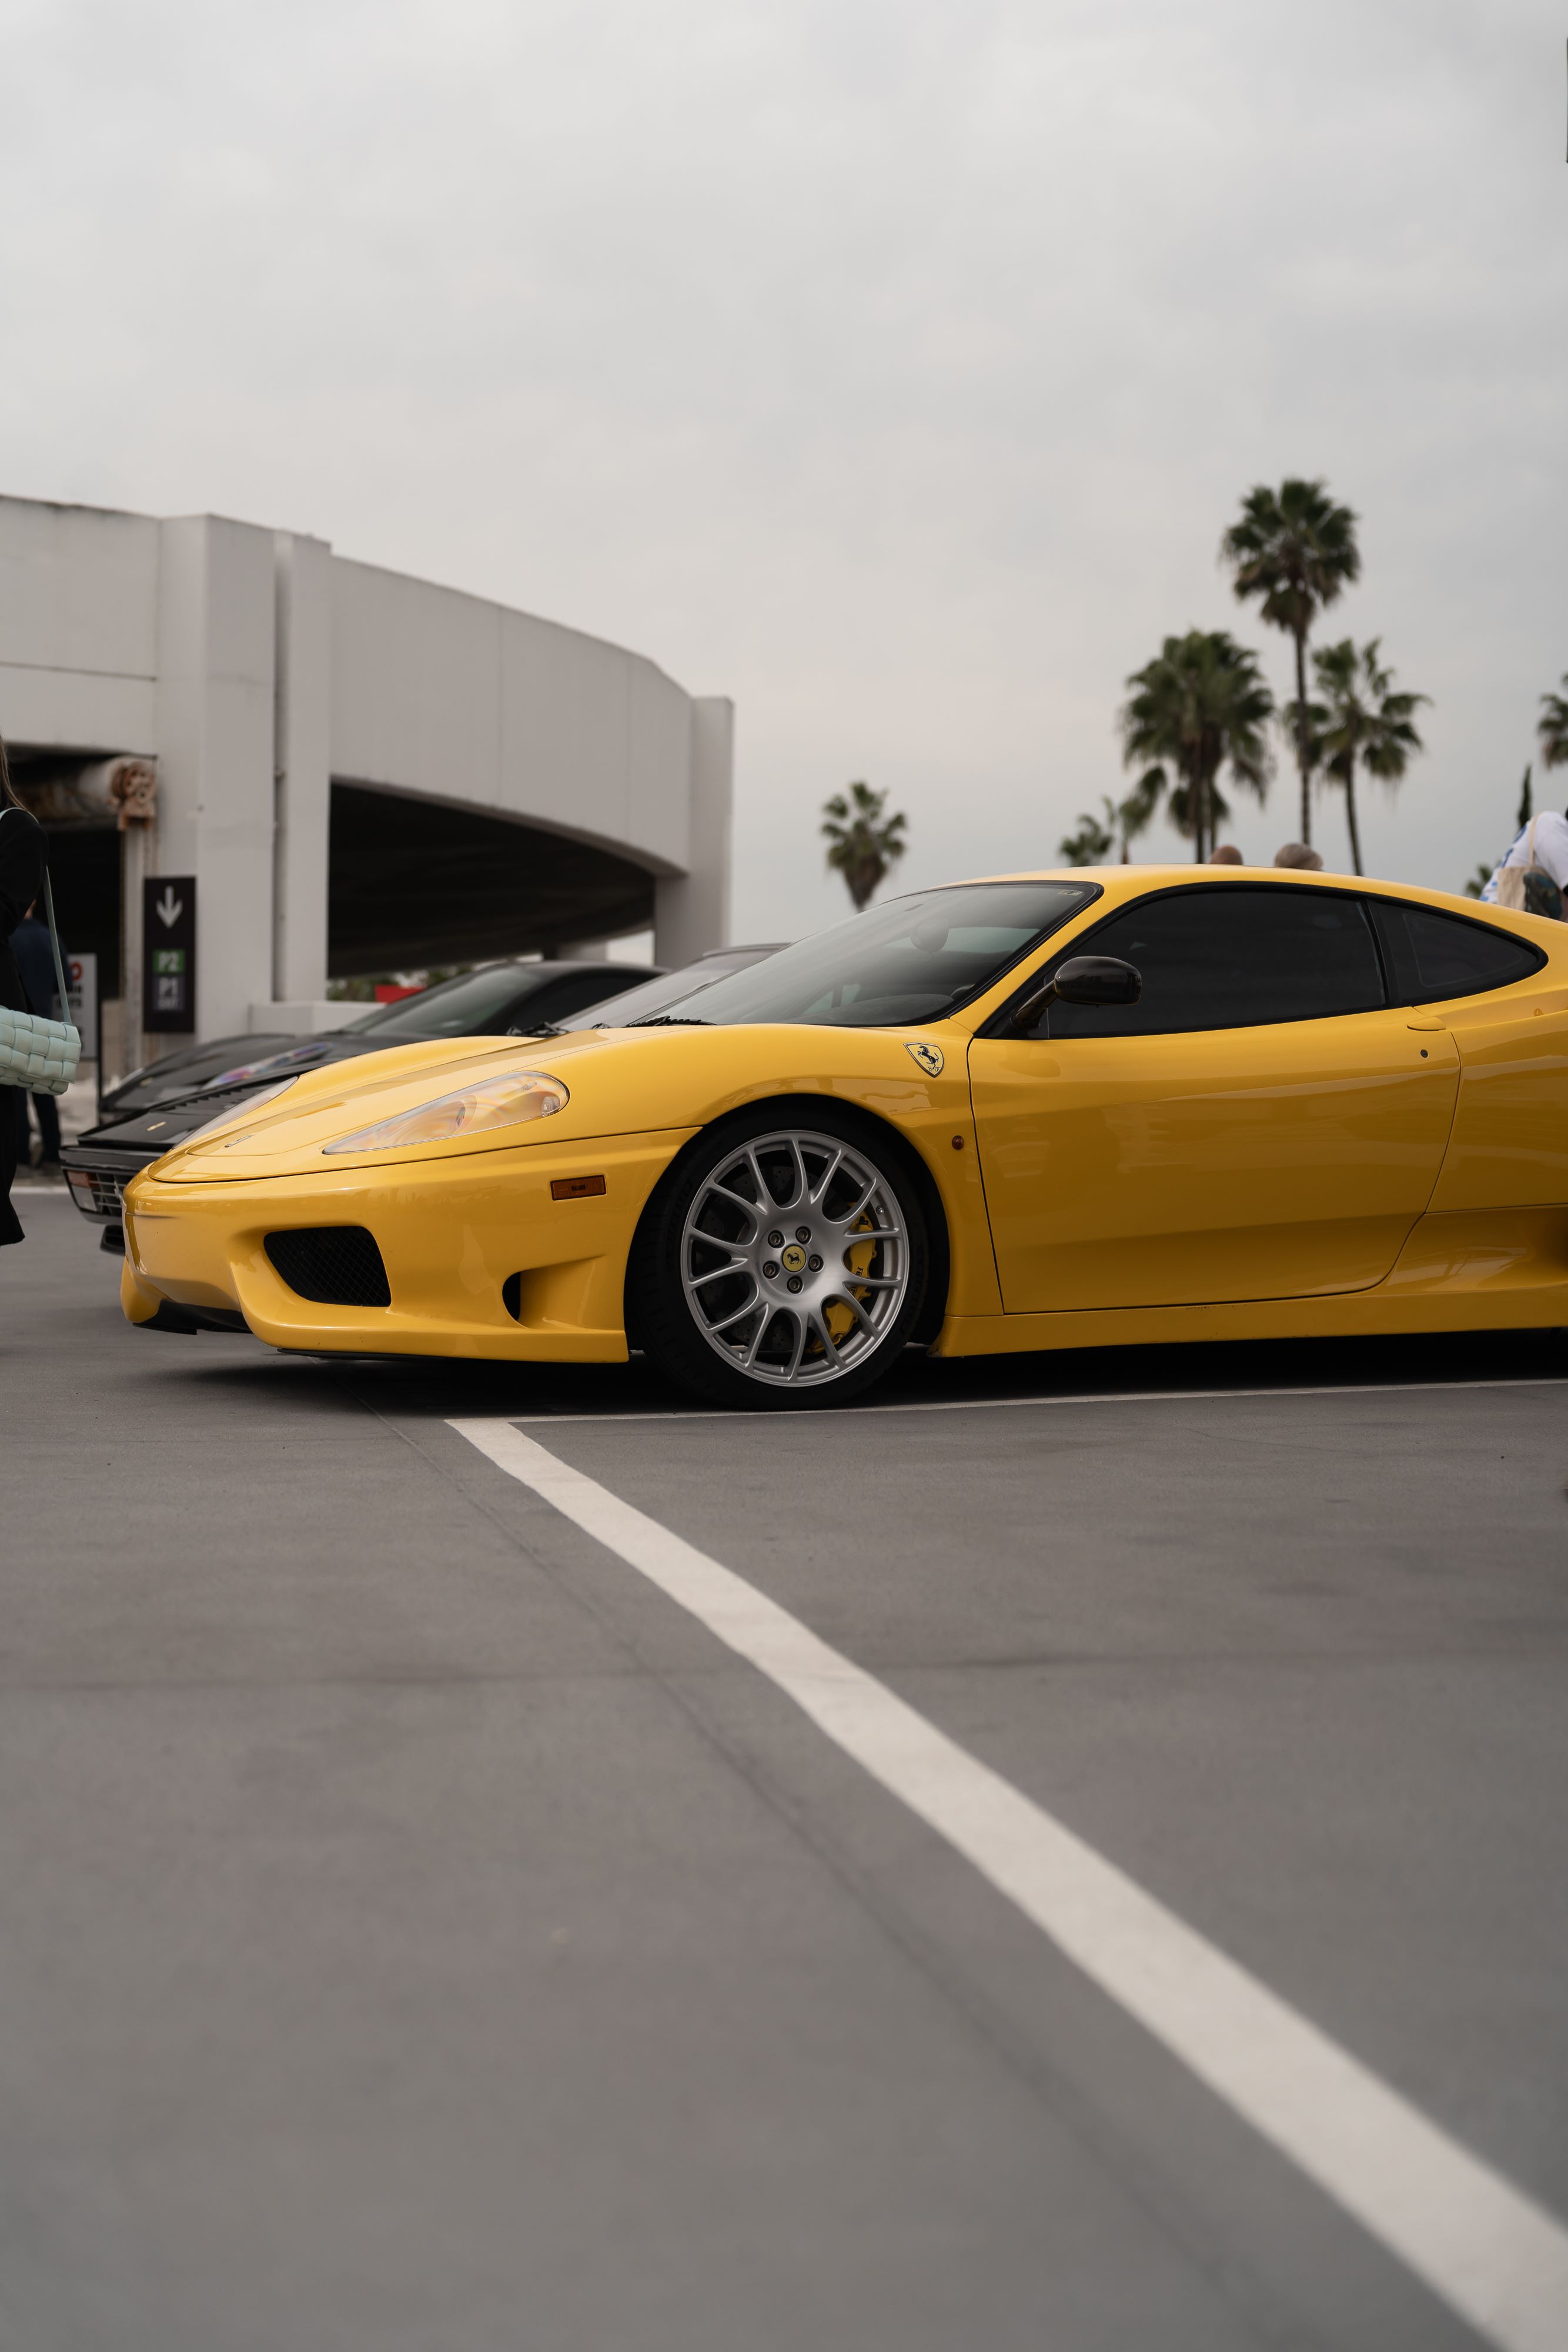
<point x="1431" y="955"/>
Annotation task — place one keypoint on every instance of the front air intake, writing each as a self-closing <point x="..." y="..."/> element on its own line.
<point x="335" y="1265"/>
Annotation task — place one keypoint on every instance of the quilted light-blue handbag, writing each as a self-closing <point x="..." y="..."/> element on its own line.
<point x="40" y="1054"/>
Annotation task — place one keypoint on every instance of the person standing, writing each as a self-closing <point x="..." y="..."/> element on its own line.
<point x="1540" y="847"/>
<point x="35" y="954"/>
<point x="23" y="846"/>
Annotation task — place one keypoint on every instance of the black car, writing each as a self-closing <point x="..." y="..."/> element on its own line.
<point x="489" y="1002"/>
<point x="511" y="1000"/>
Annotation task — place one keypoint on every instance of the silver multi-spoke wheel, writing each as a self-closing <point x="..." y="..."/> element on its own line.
<point x="795" y="1257"/>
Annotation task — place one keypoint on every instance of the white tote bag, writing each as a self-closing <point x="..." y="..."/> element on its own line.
<point x="39" y="1055"/>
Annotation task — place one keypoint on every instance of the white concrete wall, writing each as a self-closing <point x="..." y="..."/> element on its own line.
<point x="302" y="744"/>
<point x="79" y="626"/>
<point x="692" y="909"/>
<point x="255" y="666"/>
<point x="451" y="698"/>
<point x="216" y="595"/>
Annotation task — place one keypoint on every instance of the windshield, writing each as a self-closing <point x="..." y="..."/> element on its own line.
<point x="455" y="1008"/>
<point x="661" y="995"/>
<point x="911" y="961"/>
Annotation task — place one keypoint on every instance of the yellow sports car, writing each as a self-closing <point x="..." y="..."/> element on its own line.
<point x="1047" y="1111"/>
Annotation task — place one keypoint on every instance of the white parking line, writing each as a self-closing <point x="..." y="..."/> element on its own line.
<point x="1103" y="1396"/>
<point x="1481" y="2244"/>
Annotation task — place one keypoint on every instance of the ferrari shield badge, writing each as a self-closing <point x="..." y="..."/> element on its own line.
<point x="929" y="1058"/>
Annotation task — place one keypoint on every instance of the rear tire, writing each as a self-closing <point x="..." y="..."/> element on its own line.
<point x="783" y="1263"/>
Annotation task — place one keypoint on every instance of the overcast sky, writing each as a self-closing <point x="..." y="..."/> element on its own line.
<point x="891" y="365"/>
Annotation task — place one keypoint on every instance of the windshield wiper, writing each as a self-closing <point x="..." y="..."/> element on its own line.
<point x="670" y="1021"/>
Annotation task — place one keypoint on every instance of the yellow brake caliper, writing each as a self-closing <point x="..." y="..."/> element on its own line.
<point x="858" y="1259"/>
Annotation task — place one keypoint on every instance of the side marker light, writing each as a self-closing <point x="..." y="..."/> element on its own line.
<point x="575" y="1188"/>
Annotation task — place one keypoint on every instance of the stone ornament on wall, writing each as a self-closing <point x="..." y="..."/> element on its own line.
<point x="76" y="795"/>
<point x="133" y="793"/>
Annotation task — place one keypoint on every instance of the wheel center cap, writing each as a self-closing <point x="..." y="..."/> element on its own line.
<point x="793" y="1258"/>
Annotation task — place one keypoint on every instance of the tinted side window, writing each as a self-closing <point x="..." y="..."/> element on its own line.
<point x="1232" y="958"/>
<point x="557" y="999"/>
<point x="1431" y="955"/>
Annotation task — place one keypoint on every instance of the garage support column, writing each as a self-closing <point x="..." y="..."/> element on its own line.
<point x="302" y="787"/>
<point x="692" y="909"/>
<point x="216" y="593"/>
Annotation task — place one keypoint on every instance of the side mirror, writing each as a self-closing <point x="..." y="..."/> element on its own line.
<point x="1098" y="979"/>
<point x="1082" y="980"/>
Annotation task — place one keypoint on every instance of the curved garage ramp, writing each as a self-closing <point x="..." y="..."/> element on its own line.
<point x="360" y="769"/>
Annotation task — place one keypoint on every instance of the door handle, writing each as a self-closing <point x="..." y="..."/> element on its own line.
<point x="1426" y="1024"/>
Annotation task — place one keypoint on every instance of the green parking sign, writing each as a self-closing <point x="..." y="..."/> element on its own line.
<point x="169" y="953"/>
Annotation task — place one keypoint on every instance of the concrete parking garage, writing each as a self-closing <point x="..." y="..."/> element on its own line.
<point x="348" y="771"/>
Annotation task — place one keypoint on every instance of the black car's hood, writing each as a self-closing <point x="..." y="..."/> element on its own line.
<point x="265" y="1068"/>
<point x="152" y="1131"/>
<point x="274" y="1058"/>
<point x="182" y="1071"/>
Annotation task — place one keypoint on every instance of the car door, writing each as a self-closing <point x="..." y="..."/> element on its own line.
<point x="1507" y="1009"/>
<point x="1262" y="1124"/>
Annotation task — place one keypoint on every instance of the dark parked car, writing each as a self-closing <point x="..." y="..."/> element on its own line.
<point x="516" y="1000"/>
<point x="186" y="1067"/>
<point x="654" y="1000"/>
<point x="488" y="1002"/>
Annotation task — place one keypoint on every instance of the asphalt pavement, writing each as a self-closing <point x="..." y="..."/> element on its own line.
<point x="422" y="1933"/>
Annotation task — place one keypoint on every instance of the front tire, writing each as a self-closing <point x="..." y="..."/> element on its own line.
<point x="784" y="1263"/>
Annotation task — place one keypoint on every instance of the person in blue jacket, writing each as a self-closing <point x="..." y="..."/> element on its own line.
<point x="36" y="962"/>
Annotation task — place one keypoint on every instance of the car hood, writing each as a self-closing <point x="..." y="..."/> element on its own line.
<point x="179" y="1074"/>
<point x="305" y="1054"/>
<point x="618" y="1082"/>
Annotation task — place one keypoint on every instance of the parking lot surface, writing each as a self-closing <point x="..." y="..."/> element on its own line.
<point x="421" y="1929"/>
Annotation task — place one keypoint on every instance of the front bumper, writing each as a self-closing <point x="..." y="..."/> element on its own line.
<point x="481" y="1258"/>
<point x="97" y="1180"/>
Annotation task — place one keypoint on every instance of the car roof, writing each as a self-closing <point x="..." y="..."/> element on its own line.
<point x="554" y="967"/>
<point x="1130" y="881"/>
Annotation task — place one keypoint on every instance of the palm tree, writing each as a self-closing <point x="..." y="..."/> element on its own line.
<point x="1094" y="840"/>
<point x="1097" y="837"/>
<point x="1361" y="719"/>
<point x="1552" y="729"/>
<point x="1135" y="814"/>
<point x="1296" y="549"/>
<point x="1201" y="704"/>
<point x="865" y="844"/>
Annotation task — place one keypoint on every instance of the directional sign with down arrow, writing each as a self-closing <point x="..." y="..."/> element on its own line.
<point x="169" y="953"/>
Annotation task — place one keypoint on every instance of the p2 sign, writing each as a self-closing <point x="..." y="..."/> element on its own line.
<point x="169" y="954"/>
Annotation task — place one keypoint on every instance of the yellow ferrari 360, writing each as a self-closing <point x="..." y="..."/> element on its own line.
<point x="1048" y="1111"/>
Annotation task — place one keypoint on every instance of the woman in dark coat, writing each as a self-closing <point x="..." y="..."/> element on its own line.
<point x="23" y="845"/>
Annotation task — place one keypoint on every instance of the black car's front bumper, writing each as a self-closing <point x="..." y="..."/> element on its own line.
<point x="98" y="1165"/>
<point x="98" y="1177"/>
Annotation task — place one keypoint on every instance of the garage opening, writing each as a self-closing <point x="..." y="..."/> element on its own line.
<point x="414" y="882"/>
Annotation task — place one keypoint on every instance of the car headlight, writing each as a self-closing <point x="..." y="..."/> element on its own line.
<point x="497" y="1102"/>
<point x="237" y="1111"/>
